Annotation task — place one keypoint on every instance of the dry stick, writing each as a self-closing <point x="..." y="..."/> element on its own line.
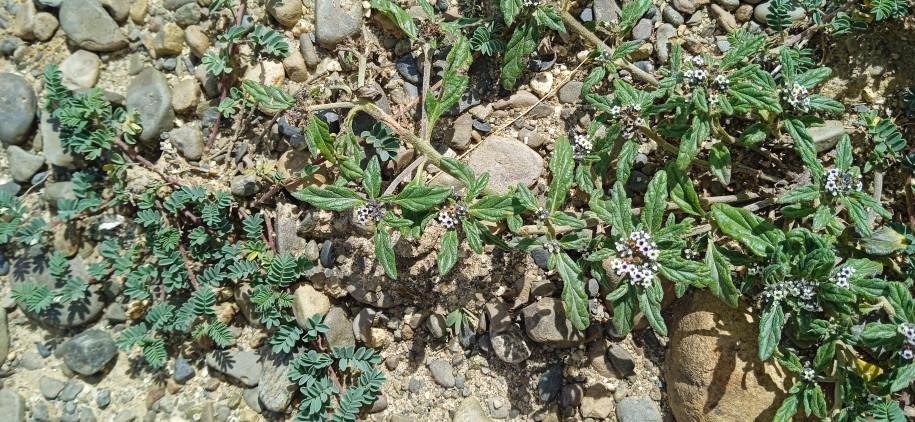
<point x="225" y="80"/>
<point x="276" y="188"/>
<point x="425" y="132"/>
<point x="878" y="193"/>
<point x="583" y="32"/>
<point x="807" y="33"/>
<point x="415" y="101"/>
<point x="270" y="240"/>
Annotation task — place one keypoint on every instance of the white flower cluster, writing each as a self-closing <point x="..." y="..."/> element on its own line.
<point x="843" y="276"/>
<point x="754" y="269"/>
<point x="841" y="182"/>
<point x="552" y="246"/>
<point x="531" y="3"/>
<point x="542" y="214"/>
<point x="798" y="97"/>
<point x="700" y="76"/>
<point x="637" y="258"/>
<point x="874" y="399"/>
<point x="805" y="291"/>
<point x="908" y="330"/>
<point x="372" y="210"/>
<point x="808" y="374"/>
<point x="582" y="144"/>
<point x="447" y="218"/>
<point x="629" y="115"/>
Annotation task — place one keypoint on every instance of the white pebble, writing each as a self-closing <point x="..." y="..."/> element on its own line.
<point x="582" y="55"/>
<point x="542" y="83"/>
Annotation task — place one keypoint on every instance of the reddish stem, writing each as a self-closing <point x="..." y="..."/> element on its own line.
<point x="270" y="241"/>
<point x="225" y="80"/>
<point x="276" y="188"/>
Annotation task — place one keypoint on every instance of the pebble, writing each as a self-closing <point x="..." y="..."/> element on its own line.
<point x="436" y="325"/>
<point x="341" y="328"/>
<point x="185" y="96"/>
<point x="685" y="6"/>
<point x="295" y="66"/>
<point x="22" y="21"/>
<point x="336" y="20"/>
<point x="44" y="25"/>
<point x="458" y="135"/>
<point x="550" y="383"/>
<point x="80" y="69"/>
<point x="542" y="83"/>
<point x="50" y="387"/>
<point x="470" y="410"/>
<point x="642" y="29"/>
<point x="517" y="101"/>
<point x="9" y="45"/>
<point x="242" y="367"/>
<point x="286" y="12"/>
<point x="13" y="405"/>
<point x="103" y="399"/>
<point x="307" y="302"/>
<point x="638" y="181"/>
<point x="53" y="150"/>
<point x="244" y="185"/>
<point x="597" y="402"/>
<point x="607" y="11"/>
<point x="570" y="93"/>
<point x="183" y="370"/>
<point x="187" y="15"/>
<point x="723" y="45"/>
<point x="149" y="93"/>
<point x="274" y="392"/>
<point x="725" y="19"/>
<point x="32" y="361"/>
<point x="744" y="13"/>
<point x="197" y="40"/>
<point x="641" y="409"/>
<point x="662" y="41"/>
<point x="441" y="372"/>
<point x="23" y="164"/>
<point x="545" y="322"/>
<point x="533" y="139"/>
<point x="672" y="16"/>
<point x="761" y="12"/>
<point x="571" y="395"/>
<point x="621" y="359"/>
<point x="88" y="352"/>
<point x="169" y="40"/>
<point x="18" y="105"/>
<point x="89" y="26"/>
<point x="307" y="48"/>
<point x="13" y="189"/>
<point x="826" y="137"/>
<point x="188" y="141"/>
<point x="408" y="67"/>
<point x="71" y="389"/>
<point x="125" y="415"/>
<point x="138" y="11"/>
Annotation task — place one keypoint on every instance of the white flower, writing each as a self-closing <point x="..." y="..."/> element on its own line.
<point x="808" y="374"/>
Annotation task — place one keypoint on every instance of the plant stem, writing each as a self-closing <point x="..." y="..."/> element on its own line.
<point x="585" y="33"/>
<point x="224" y="83"/>
<point x="425" y="131"/>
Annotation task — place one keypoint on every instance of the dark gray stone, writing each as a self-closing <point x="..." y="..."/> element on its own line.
<point x="327" y="257"/>
<point x="638" y="181"/>
<point x="183" y="370"/>
<point x="150" y="94"/>
<point x="672" y="16"/>
<point x="541" y="258"/>
<point x="89" y="26"/>
<point x="408" y="67"/>
<point x="187" y="15"/>
<point x="18" y="104"/>
<point x="188" y="141"/>
<point x="546" y="322"/>
<point x="570" y="93"/>
<point x="89" y="351"/>
<point x="550" y="383"/>
<point x="71" y="389"/>
<point x="571" y="395"/>
<point x="642" y="29"/>
<point x="11" y="188"/>
<point x="103" y="399"/>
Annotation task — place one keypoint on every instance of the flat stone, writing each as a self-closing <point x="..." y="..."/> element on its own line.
<point x="597" y="402"/>
<point x="570" y="93"/>
<point x="470" y="410"/>
<point x="185" y="96"/>
<point x="13" y="406"/>
<point x="621" y="359"/>
<point x="242" y="367"/>
<point x="275" y="388"/>
<point x="550" y="383"/>
<point x="508" y="162"/>
<point x="89" y="26"/>
<point x="672" y="16"/>
<point x="183" y="370"/>
<point x="826" y="137"/>
<point x="23" y="164"/>
<point x="307" y="302"/>
<point x="341" y="328"/>
<point x="34" y="268"/>
<point x="197" y="40"/>
<point x="638" y="409"/>
<point x="53" y="150"/>
<point x="336" y="20"/>
<point x="545" y="322"/>
<point x="507" y="339"/>
<point x="89" y="351"/>
<point x="80" y="69"/>
<point x="44" y="25"/>
<point x="50" y="387"/>
<point x="18" y="104"/>
<point x="169" y="40"/>
<point x="642" y="29"/>
<point x="542" y="83"/>
<point x="442" y="373"/>
<point x="150" y="94"/>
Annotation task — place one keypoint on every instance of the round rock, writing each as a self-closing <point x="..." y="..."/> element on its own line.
<point x="336" y="20"/>
<point x="23" y="164"/>
<point x="80" y="69"/>
<point x="149" y="93"/>
<point x="89" y="352"/>
<point x="441" y="372"/>
<point x="508" y="162"/>
<point x="17" y="108"/>
<point x="89" y="26"/>
<point x="188" y="141"/>
<point x="307" y="302"/>
<point x="286" y="12"/>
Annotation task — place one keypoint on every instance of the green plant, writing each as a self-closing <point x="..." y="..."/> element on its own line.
<point x="483" y="41"/>
<point x="529" y="19"/>
<point x="382" y="138"/>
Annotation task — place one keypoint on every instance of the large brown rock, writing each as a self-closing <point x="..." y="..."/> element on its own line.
<point x="713" y="371"/>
